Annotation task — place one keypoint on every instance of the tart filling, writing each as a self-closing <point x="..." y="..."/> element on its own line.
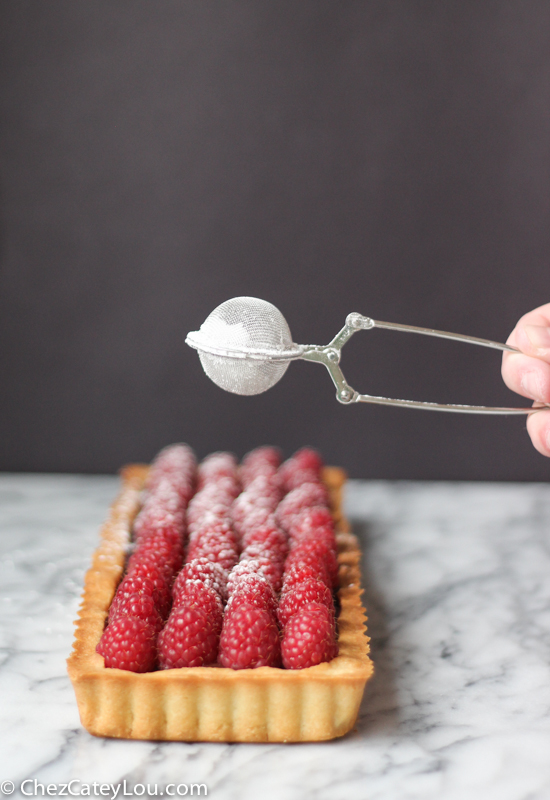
<point x="236" y="698"/>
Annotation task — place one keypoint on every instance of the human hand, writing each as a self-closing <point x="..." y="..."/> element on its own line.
<point x="528" y="372"/>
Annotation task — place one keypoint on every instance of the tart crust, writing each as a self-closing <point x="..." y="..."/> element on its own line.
<point x="214" y="704"/>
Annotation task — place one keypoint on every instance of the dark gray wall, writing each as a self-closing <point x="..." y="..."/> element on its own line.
<point x="160" y="157"/>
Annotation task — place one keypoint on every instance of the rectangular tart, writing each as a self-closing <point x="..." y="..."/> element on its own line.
<point x="214" y="704"/>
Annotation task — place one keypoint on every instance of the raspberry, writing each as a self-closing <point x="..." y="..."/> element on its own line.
<point x="269" y="537"/>
<point x="297" y="477"/>
<point x="301" y="595"/>
<point x="174" y="458"/>
<point x="261" y="471"/>
<point x="134" y="584"/>
<point x="209" y="503"/>
<point x="309" y="458"/>
<point x="129" y="643"/>
<point x="255" y="518"/>
<point x="247" y="567"/>
<point x="309" y="638"/>
<point x="311" y="518"/>
<point x="189" y="639"/>
<point x="249" y="639"/>
<point x="209" y="573"/>
<point x="266" y="454"/>
<point x="317" y="554"/>
<point x="196" y="594"/>
<point x="154" y="517"/>
<point x="221" y="528"/>
<point x="209" y="517"/>
<point x="246" y="504"/>
<point x="177" y="463"/>
<point x="298" y="573"/>
<point x="306" y="495"/>
<point x="271" y="568"/>
<point x="226" y="486"/>
<point x="305" y="463"/>
<point x="216" y="466"/>
<point x="214" y="548"/>
<point x="324" y="535"/>
<point x="165" y="548"/>
<point x="152" y="574"/>
<point x="141" y="606"/>
<point x="265" y="485"/>
<point x="254" y="589"/>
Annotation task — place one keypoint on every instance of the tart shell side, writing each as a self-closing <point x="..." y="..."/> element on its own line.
<point x="214" y="704"/>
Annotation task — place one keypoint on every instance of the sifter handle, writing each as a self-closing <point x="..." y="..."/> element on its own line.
<point x="330" y="357"/>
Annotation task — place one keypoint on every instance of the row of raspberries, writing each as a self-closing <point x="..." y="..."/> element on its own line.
<point x="144" y="597"/>
<point x="260" y="568"/>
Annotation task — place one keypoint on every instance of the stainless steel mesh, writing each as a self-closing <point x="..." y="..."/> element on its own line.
<point x="245" y="345"/>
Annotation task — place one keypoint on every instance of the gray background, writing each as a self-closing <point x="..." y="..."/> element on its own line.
<point x="160" y="157"/>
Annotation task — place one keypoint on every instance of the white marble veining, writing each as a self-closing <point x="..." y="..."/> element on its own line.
<point x="458" y="592"/>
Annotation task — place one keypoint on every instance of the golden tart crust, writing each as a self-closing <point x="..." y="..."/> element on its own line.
<point x="214" y="704"/>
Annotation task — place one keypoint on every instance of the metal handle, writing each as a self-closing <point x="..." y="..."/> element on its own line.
<point x="330" y="357"/>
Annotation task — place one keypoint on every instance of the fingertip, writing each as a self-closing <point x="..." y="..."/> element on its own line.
<point x="527" y="376"/>
<point x="538" y="428"/>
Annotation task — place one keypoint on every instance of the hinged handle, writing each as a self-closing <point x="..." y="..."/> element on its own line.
<point x="330" y="357"/>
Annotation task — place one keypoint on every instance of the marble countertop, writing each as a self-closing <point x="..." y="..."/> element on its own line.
<point x="458" y="593"/>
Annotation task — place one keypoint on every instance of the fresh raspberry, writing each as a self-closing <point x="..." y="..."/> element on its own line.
<point x="270" y="537"/>
<point x="259" y="457"/>
<point x="189" y="639"/>
<point x="134" y="584"/>
<point x="225" y="490"/>
<point x="226" y="486"/>
<point x="216" y="466"/>
<point x="129" y="643"/>
<point x="298" y="573"/>
<point x="304" y="462"/>
<point x="222" y="528"/>
<point x="142" y="606"/>
<point x="207" y="504"/>
<point x="298" y="476"/>
<point x="254" y="589"/>
<point x="262" y="461"/>
<point x="209" y="573"/>
<point x="317" y="554"/>
<point x="152" y="574"/>
<point x="268" y="471"/>
<point x="249" y="639"/>
<point x="272" y="568"/>
<point x="309" y="458"/>
<point x="324" y="535"/>
<point x="196" y="594"/>
<point x="178" y="464"/>
<point x="308" y="494"/>
<point x="170" y="492"/>
<point x="174" y="458"/>
<point x="210" y="518"/>
<point x="164" y="547"/>
<point x="265" y="486"/>
<point x="214" y="548"/>
<point x="247" y="502"/>
<point x="153" y="517"/>
<point x="308" y="638"/>
<point x="247" y="567"/>
<point x="255" y="518"/>
<point x="311" y="518"/>
<point x="301" y="595"/>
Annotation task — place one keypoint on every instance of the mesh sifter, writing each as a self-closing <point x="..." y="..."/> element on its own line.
<point x="245" y="347"/>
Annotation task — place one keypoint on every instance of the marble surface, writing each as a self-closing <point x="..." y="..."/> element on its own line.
<point x="458" y="592"/>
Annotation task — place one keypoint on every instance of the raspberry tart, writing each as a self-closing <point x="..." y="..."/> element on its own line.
<point x="223" y="604"/>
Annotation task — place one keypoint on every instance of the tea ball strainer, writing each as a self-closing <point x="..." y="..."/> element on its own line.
<point x="245" y="347"/>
